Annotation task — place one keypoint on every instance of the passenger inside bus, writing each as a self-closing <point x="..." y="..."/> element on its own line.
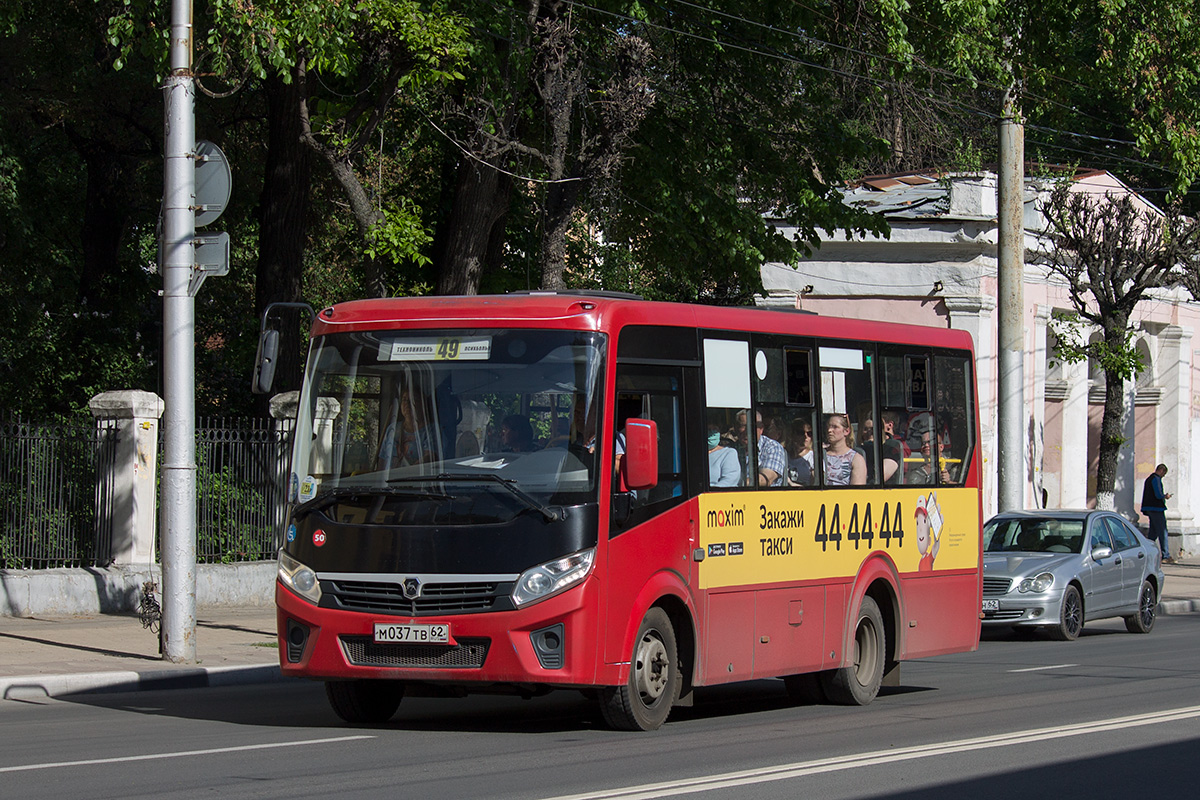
<point x="772" y="458"/>
<point x="516" y="434"/>
<point x="723" y="466"/>
<point x="844" y="466"/>
<point x="800" y="453"/>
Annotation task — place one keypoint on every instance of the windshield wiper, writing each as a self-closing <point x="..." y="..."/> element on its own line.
<point x="330" y="496"/>
<point x="550" y="514"/>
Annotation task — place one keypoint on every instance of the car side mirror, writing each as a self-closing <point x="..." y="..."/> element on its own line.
<point x="1101" y="553"/>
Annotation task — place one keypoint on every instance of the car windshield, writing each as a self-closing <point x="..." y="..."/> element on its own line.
<point x="1039" y="535"/>
<point x="451" y="415"/>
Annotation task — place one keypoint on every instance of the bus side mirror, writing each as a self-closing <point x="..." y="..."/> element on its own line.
<point x="268" y="348"/>
<point x="640" y="463"/>
<point x="264" y="362"/>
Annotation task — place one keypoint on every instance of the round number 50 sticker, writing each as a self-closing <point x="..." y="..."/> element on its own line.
<point x="318" y="537"/>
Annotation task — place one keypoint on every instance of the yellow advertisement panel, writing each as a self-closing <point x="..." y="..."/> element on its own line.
<point x="775" y="536"/>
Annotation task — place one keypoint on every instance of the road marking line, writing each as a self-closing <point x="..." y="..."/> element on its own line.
<point x="180" y="754"/>
<point x="802" y="768"/>
<point x="1038" y="669"/>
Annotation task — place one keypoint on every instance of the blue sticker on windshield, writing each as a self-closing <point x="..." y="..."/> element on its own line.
<point x="291" y="533"/>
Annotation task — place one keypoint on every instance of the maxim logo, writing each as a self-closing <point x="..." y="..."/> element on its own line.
<point x="724" y="518"/>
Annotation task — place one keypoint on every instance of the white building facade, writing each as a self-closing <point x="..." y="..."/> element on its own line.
<point x="939" y="268"/>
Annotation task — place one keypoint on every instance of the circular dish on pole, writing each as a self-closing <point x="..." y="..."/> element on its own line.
<point x="214" y="183"/>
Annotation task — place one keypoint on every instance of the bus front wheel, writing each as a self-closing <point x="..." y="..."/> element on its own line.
<point x="645" y="700"/>
<point x="857" y="684"/>
<point x="364" y="701"/>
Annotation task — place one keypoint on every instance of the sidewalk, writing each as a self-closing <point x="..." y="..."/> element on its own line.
<point x="43" y="657"/>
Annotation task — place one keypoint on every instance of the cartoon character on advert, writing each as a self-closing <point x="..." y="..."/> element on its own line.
<point x="929" y="530"/>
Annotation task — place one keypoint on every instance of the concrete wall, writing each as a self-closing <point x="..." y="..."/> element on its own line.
<point x="117" y="590"/>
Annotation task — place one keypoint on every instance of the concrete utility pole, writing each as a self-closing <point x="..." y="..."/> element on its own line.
<point x="1010" y="437"/>
<point x="178" y="524"/>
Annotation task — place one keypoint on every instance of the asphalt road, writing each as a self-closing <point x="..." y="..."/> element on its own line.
<point x="1111" y="715"/>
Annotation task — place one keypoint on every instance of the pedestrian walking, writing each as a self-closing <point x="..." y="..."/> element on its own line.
<point x="1154" y="506"/>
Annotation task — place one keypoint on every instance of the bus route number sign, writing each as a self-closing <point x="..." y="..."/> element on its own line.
<point x="441" y="348"/>
<point x="392" y="633"/>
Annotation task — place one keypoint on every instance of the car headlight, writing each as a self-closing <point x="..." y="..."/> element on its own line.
<point x="1036" y="584"/>
<point x="546" y="580"/>
<point x="299" y="578"/>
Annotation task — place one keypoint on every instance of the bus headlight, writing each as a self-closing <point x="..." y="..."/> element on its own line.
<point x="547" y="580"/>
<point x="299" y="578"/>
<point x="1036" y="585"/>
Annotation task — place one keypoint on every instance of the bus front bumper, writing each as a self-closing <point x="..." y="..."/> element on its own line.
<point x="552" y="643"/>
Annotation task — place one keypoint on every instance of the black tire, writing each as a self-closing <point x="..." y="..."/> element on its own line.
<point x="1143" y="620"/>
<point x="805" y="689"/>
<point x="644" y="702"/>
<point x="858" y="684"/>
<point x="1070" y="617"/>
<point x="364" y="701"/>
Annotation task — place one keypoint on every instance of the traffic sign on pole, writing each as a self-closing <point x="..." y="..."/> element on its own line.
<point x="214" y="183"/>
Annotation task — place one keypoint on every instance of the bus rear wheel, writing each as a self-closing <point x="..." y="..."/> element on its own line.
<point x="645" y="700"/>
<point x="364" y="701"/>
<point x="857" y="684"/>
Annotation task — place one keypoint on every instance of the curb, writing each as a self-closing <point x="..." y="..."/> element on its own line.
<point x="1170" y="607"/>
<point x="34" y="687"/>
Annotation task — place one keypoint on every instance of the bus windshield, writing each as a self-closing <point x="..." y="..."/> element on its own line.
<point x="451" y="416"/>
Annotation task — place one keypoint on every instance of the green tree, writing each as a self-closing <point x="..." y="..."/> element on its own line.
<point x="1112" y="251"/>
<point x="79" y="145"/>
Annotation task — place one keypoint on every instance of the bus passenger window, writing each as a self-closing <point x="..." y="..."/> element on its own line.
<point x="955" y="404"/>
<point x="846" y="387"/>
<point x="654" y="394"/>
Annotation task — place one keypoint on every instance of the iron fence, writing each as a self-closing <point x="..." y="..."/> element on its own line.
<point x="241" y="480"/>
<point x="55" y="505"/>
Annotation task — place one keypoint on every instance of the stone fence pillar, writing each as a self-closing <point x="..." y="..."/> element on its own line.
<point x="285" y="406"/>
<point x="134" y="471"/>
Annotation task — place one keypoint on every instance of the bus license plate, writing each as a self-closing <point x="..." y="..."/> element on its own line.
<point x="991" y="605"/>
<point x="411" y="634"/>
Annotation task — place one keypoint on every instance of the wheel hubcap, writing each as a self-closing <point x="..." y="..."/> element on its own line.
<point x="1148" y="605"/>
<point x="652" y="668"/>
<point x="1071" y="614"/>
<point x="866" y="651"/>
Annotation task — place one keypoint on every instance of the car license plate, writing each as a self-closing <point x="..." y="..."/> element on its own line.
<point x="411" y="634"/>
<point x="991" y="605"/>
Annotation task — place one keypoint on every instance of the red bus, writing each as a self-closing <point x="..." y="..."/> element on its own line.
<point x="536" y="491"/>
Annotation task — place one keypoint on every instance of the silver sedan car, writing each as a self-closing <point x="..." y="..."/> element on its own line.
<point x="1056" y="570"/>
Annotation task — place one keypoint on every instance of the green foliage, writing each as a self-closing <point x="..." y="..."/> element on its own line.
<point x="1122" y="361"/>
<point x="399" y="236"/>
<point x="233" y="518"/>
<point x="1153" y="49"/>
<point x="47" y="473"/>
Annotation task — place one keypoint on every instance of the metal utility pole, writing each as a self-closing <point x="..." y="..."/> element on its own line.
<point x="1010" y="438"/>
<point x="178" y="521"/>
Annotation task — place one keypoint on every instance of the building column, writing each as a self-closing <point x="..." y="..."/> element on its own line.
<point x="973" y="314"/>
<point x="1174" y="443"/>
<point x="1073" y="480"/>
<point x="1037" y="410"/>
<point x="133" y="472"/>
<point x="1125" y="498"/>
